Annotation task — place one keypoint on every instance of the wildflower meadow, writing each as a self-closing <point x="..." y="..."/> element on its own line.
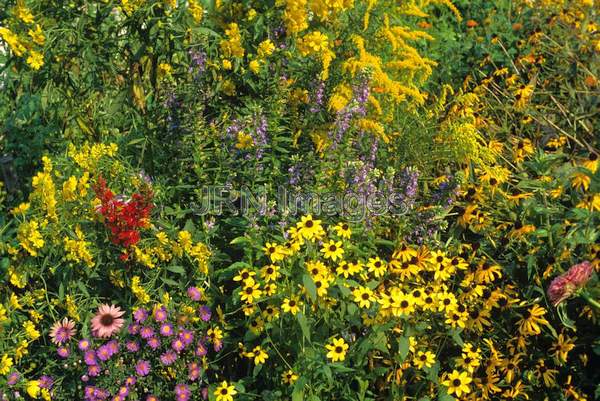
<point x="300" y="200"/>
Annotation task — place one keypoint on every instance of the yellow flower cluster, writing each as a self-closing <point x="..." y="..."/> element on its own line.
<point x="139" y="291"/>
<point x="295" y="16"/>
<point x="78" y="249"/>
<point x="73" y="188"/>
<point x="317" y="44"/>
<point x="28" y="42"/>
<point x="44" y="189"/>
<point x="327" y="10"/>
<point x="88" y="156"/>
<point x="232" y="47"/>
<point x="196" y="10"/>
<point x="29" y="237"/>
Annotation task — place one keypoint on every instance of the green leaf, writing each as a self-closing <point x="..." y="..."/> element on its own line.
<point x="176" y="269"/>
<point x="309" y="284"/>
<point x="403" y="348"/>
<point x="170" y="282"/>
<point x="303" y="325"/>
<point x="456" y="337"/>
<point x="298" y="392"/>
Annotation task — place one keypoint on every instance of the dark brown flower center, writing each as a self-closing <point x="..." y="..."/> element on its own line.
<point x="332" y="248"/>
<point x="107" y="320"/>
<point x="365" y="296"/>
<point x="338" y="349"/>
<point x="404" y="304"/>
<point x="308" y="224"/>
<point x="456" y="382"/>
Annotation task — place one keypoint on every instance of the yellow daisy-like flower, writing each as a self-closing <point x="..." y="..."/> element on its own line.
<point x="424" y="359"/>
<point x="343" y="230"/>
<point x="363" y="296"/>
<point x="377" y="266"/>
<point x="258" y="354"/>
<point x="250" y="292"/>
<point x="308" y="227"/>
<point x="289" y="377"/>
<point x="333" y="250"/>
<point x="458" y="383"/>
<point x="291" y="306"/>
<point x="337" y="350"/>
<point x="225" y="392"/>
<point x="274" y="251"/>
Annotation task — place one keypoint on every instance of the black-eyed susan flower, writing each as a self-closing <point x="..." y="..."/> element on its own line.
<point x="250" y="292"/>
<point x="561" y="348"/>
<point x="377" y="266"/>
<point x="308" y="227"/>
<point x="321" y="284"/>
<point x="458" y="383"/>
<point x="343" y="230"/>
<point x="545" y="374"/>
<point x="424" y="359"/>
<point x="580" y="181"/>
<point x="291" y="305"/>
<point x="258" y="355"/>
<point x="270" y="289"/>
<point x="333" y="250"/>
<point x="532" y="318"/>
<point x="274" y="251"/>
<point x="270" y="273"/>
<point x="337" y="350"/>
<point x="244" y="275"/>
<point x="270" y="312"/>
<point x="225" y="392"/>
<point x="316" y="268"/>
<point x="344" y="269"/>
<point x="289" y="377"/>
<point x="363" y="296"/>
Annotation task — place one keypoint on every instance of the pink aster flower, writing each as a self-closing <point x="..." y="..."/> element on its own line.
<point x="160" y="314"/>
<point x="142" y="368"/>
<point x="140" y="315"/>
<point x="194" y="293"/>
<point x="107" y="321"/>
<point x="153" y="342"/>
<point x="168" y="358"/>
<point x="63" y="352"/>
<point x="166" y="329"/>
<point x="84" y="344"/>
<point x="62" y="331"/>
<point x="146" y="332"/>
<point x="568" y="283"/>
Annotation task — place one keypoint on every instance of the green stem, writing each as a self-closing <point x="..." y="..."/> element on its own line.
<point x="590" y="300"/>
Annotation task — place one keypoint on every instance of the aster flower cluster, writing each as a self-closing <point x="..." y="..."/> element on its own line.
<point x="156" y="340"/>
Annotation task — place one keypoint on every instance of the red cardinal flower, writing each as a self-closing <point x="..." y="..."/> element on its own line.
<point x="124" y="217"/>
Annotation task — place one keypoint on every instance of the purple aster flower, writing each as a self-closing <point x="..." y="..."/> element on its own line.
<point x="177" y="345"/>
<point x="103" y="353"/>
<point x="89" y="357"/>
<point x="193" y="371"/>
<point x="194" y="293"/>
<point x="187" y="336"/>
<point x="153" y="342"/>
<point x="140" y="315"/>
<point x="13" y="378"/>
<point x="168" y="358"/>
<point x="146" y="332"/>
<point x="160" y="314"/>
<point x="132" y="346"/>
<point x="201" y="349"/>
<point x="46" y="382"/>
<point x="113" y="347"/>
<point x="205" y="313"/>
<point x="166" y="329"/>
<point x="84" y="344"/>
<point x="123" y="392"/>
<point x="142" y="368"/>
<point x="63" y="352"/>
<point x="182" y="392"/>
<point x="93" y="370"/>
<point x="130" y="381"/>
<point x="133" y="328"/>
